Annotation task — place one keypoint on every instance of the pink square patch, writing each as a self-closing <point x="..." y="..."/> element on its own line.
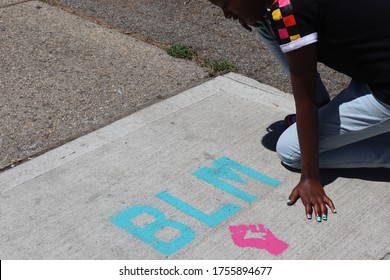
<point x="283" y="33"/>
<point x="283" y="3"/>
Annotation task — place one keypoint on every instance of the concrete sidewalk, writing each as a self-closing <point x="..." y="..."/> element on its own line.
<point x="192" y="177"/>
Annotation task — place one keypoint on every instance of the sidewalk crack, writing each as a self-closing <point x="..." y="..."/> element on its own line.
<point x="14" y="4"/>
<point x="385" y="257"/>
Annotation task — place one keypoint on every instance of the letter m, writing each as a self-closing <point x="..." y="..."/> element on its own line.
<point x="223" y="169"/>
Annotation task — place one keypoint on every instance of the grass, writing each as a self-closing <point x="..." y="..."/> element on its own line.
<point x="215" y="66"/>
<point x="182" y="51"/>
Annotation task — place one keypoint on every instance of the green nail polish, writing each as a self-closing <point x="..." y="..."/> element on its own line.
<point x="288" y="201"/>
<point x="334" y="210"/>
<point x="318" y="219"/>
<point x="309" y="216"/>
<point x="324" y="217"/>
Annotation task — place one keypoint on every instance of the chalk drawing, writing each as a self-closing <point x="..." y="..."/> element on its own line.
<point x="223" y="169"/>
<point x="211" y="220"/>
<point x="147" y="233"/>
<point x="266" y="239"/>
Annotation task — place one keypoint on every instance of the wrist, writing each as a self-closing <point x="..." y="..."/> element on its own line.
<point x="310" y="174"/>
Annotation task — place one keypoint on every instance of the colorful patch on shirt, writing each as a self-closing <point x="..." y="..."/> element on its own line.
<point x="285" y="24"/>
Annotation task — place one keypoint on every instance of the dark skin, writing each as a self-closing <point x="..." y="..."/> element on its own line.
<point x="303" y="67"/>
<point x="247" y="12"/>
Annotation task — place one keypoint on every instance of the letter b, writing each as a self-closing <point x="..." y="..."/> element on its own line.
<point x="147" y="233"/>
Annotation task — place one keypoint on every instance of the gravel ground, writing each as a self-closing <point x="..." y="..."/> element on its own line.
<point x="62" y="76"/>
<point x="202" y="25"/>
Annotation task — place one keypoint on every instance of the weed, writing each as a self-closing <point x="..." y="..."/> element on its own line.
<point x="182" y="51"/>
<point x="215" y="66"/>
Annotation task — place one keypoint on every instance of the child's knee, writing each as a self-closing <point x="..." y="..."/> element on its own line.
<point x="288" y="149"/>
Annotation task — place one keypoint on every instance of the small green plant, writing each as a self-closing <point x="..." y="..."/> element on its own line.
<point x="215" y="66"/>
<point x="218" y="66"/>
<point x="182" y="51"/>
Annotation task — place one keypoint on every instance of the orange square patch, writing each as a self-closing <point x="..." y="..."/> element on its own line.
<point x="289" y="21"/>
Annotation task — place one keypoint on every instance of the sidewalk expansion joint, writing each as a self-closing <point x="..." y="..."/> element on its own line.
<point x="385" y="257"/>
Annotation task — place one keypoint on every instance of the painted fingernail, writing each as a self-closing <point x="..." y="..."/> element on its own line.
<point x="334" y="210"/>
<point x="318" y="219"/>
<point x="324" y="217"/>
<point x="309" y="216"/>
<point x="288" y="201"/>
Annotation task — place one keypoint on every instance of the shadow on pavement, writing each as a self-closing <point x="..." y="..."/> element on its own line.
<point x="368" y="174"/>
<point x="273" y="133"/>
<point x="328" y="176"/>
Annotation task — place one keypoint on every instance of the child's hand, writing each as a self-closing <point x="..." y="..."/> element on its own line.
<point x="313" y="195"/>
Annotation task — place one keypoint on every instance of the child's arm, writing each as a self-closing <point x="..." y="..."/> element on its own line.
<point x="303" y="67"/>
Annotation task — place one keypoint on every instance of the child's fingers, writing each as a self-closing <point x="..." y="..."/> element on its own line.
<point x="330" y="204"/>
<point x="309" y="211"/>
<point x="317" y="211"/>
<point x="324" y="211"/>
<point x="294" y="196"/>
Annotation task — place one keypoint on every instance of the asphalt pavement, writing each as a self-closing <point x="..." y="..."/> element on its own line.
<point x="199" y="24"/>
<point x="62" y="76"/>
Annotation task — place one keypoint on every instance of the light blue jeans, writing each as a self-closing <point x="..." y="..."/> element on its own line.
<point x="354" y="128"/>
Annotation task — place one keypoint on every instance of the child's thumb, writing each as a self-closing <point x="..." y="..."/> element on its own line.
<point x="294" y="196"/>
